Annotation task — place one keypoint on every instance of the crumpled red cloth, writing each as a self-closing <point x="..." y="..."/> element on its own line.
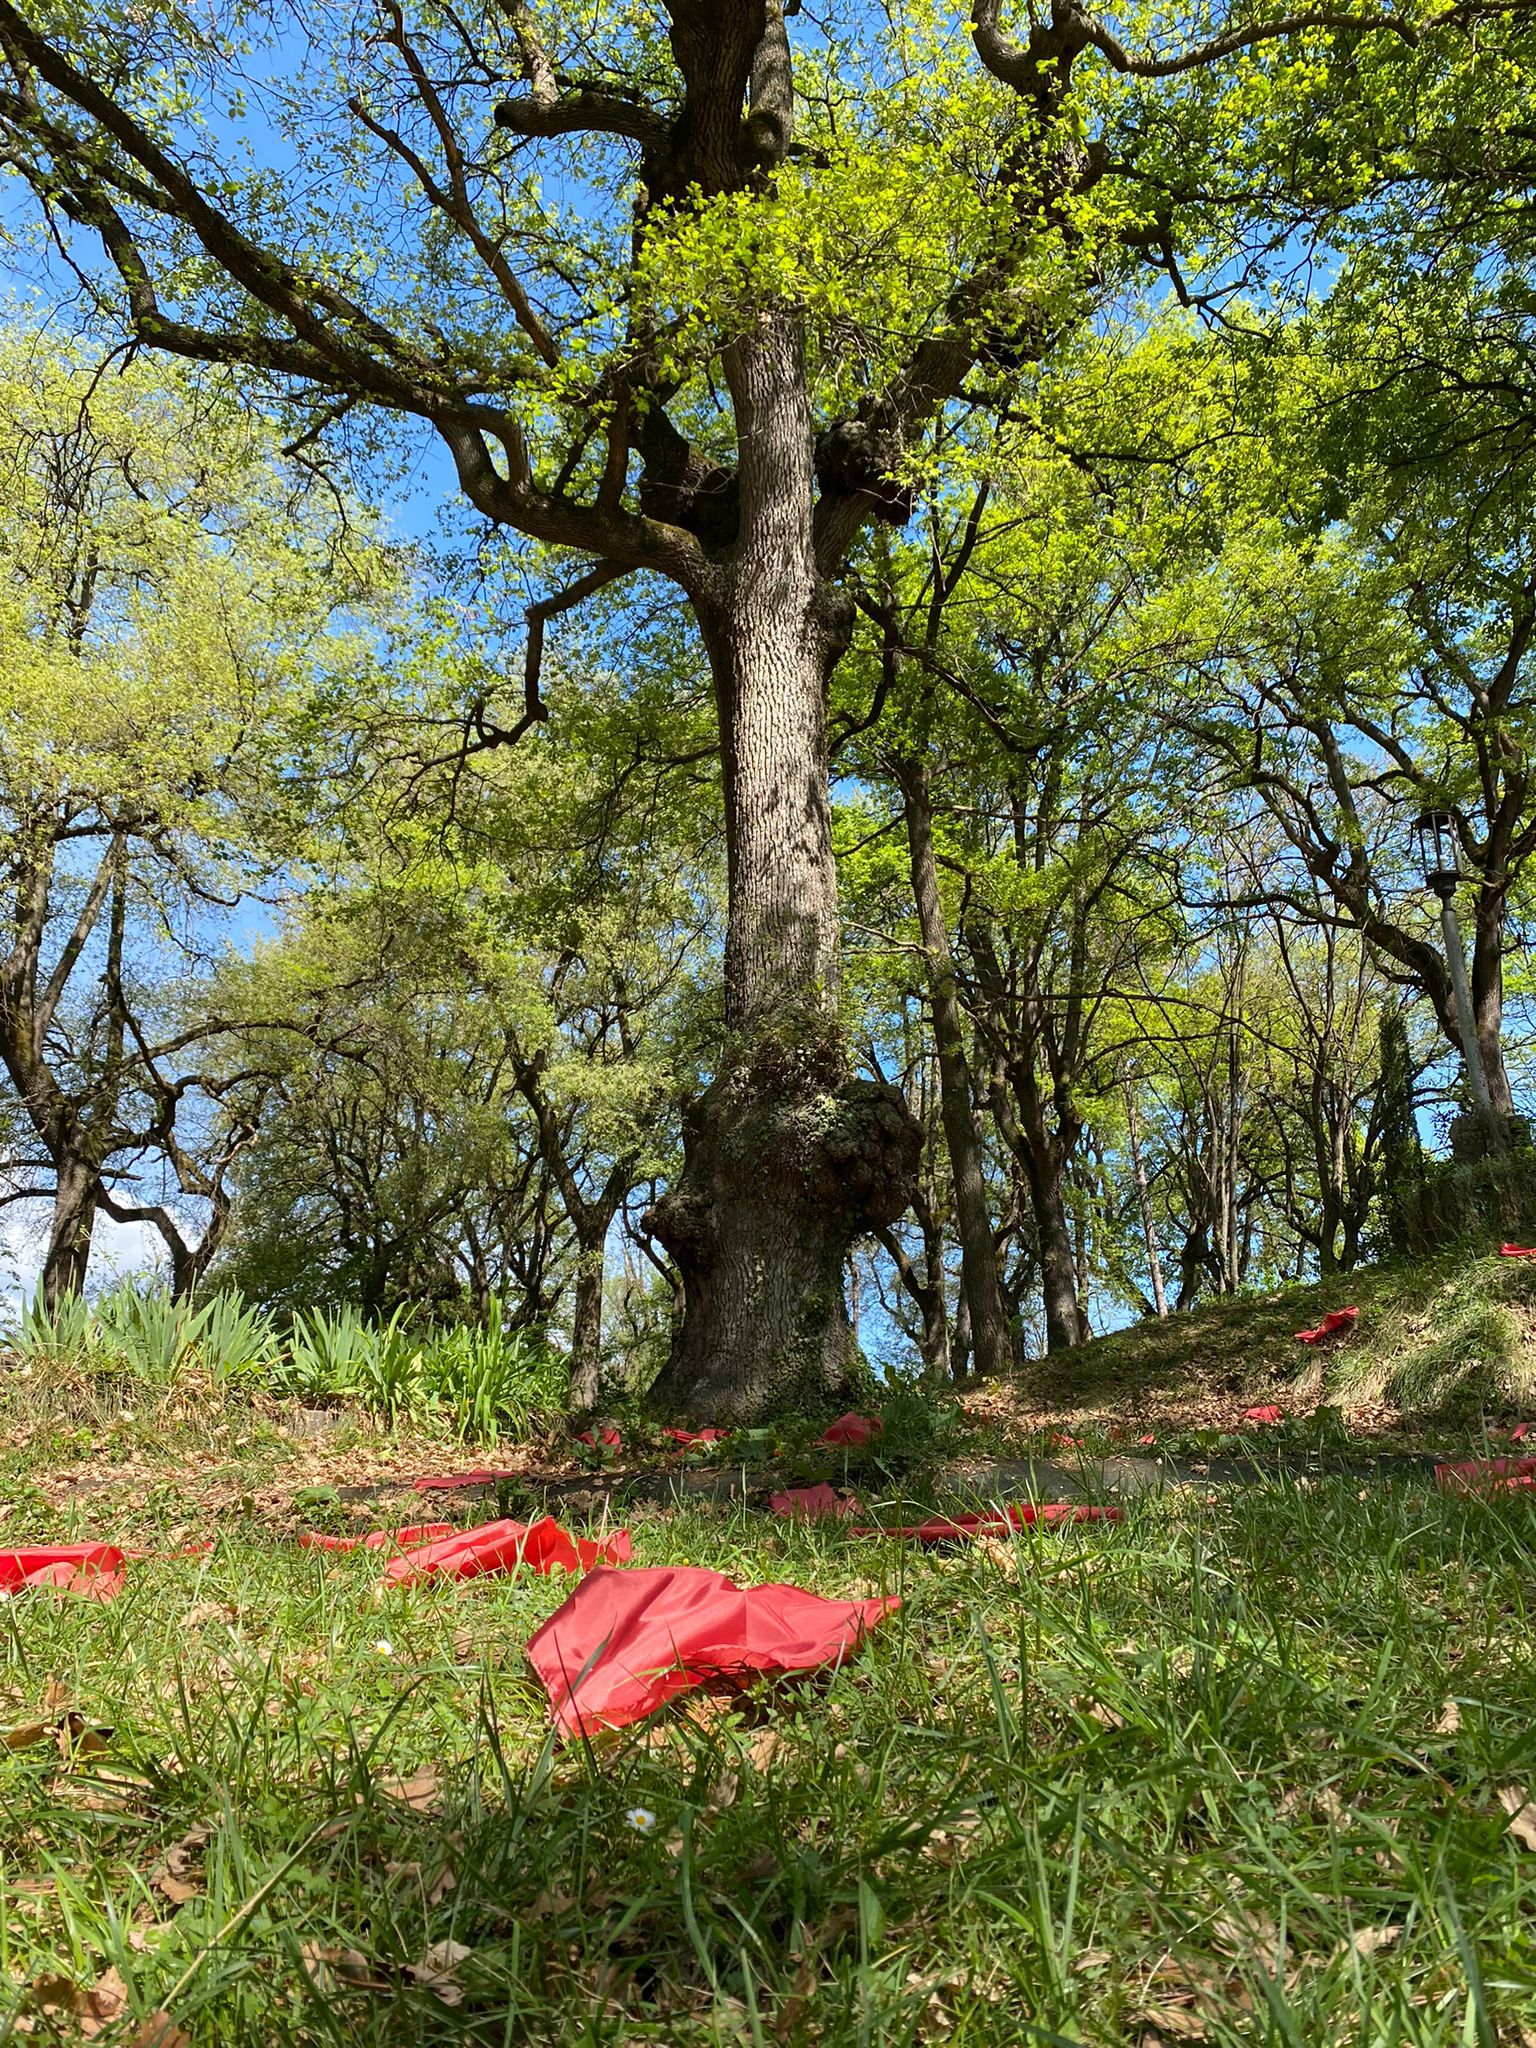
<point x="1487" y="1475"/>
<point x="606" y="1439"/>
<point x="813" y="1503"/>
<point x="377" y="1539"/>
<point x="95" y="1570"/>
<point x="542" y="1546"/>
<point x="1337" y="1319"/>
<point x="1520" y="1432"/>
<point x="625" y="1642"/>
<point x="685" y="1439"/>
<point x="1019" y="1515"/>
<point x="1517" y="1251"/>
<point x="853" y="1429"/>
<point x="446" y="1482"/>
<point x="1267" y="1414"/>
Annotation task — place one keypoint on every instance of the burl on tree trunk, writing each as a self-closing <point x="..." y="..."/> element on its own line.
<point x="788" y="1161"/>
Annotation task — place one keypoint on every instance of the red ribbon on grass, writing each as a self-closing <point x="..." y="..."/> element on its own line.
<point x="94" y="1570"/>
<point x="448" y="1482"/>
<point x="853" y="1428"/>
<point x="1337" y="1319"/>
<point x="1487" y="1475"/>
<point x="626" y="1642"/>
<point x="542" y="1546"/>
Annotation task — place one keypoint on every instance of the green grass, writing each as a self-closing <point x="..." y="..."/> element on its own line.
<point x="1236" y="1770"/>
<point x="1180" y="1779"/>
<point x="1440" y="1339"/>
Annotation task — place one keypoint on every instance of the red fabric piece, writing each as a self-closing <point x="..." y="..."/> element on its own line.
<point x="687" y="1438"/>
<point x="625" y="1642"/>
<point x="95" y="1570"/>
<point x="1485" y="1475"/>
<point x="501" y="1547"/>
<point x="1060" y="1441"/>
<point x="607" y="1438"/>
<point x="812" y="1504"/>
<point x="957" y="1528"/>
<point x="446" y="1482"/>
<point x="1517" y="1251"/>
<point x="1520" y="1432"/>
<point x="1269" y="1414"/>
<point x="1337" y="1319"/>
<point x="377" y="1539"/>
<point x="853" y="1429"/>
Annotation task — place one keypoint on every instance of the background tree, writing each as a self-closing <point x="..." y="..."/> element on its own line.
<point x="489" y="1011"/>
<point x="163" y="616"/>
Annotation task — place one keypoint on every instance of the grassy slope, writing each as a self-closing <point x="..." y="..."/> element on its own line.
<point x="1449" y="1341"/>
<point x="1236" y="1770"/>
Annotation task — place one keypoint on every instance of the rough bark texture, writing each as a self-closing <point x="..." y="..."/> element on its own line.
<point x="786" y="1158"/>
<point x="787" y="1161"/>
<point x="978" y="1253"/>
<point x="1488" y="997"/>
<point x="76" y="1190"/>
<point x="1053" y="1244"/>
<point x="587" y="1331"/>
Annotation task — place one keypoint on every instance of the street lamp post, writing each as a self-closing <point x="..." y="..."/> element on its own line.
<point x="1440" y="860"/>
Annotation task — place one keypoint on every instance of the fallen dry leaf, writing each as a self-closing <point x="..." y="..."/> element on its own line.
<point x="436" y="1970"/>
<point x="723" y="1792"/>
<point x="54" y="1992"/>
<point x="328" y="1966"/>
<point x="158" y="2031"/>
<point x="1248" y="1934"/>
<point x="206" y="1611"/>
<point x="76" y="1737"/>
<point x="105" y="2001"/>
<point x="1095" y="1710"/>
<point x="420" y="1793"/>
<point x="27" y="1736"/>
<point x="1369" y="1939"/>
<point x="763" y="1748"/>
<point x="1516" y="1802"/>
<point x="92" y="2007"/>
<point x="1171" y="2022"/>
<point x="1003" y="1556"/>
<point x="1450" y="1719"/>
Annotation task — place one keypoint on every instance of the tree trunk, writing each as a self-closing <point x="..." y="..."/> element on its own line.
<point x="77" y="1190"/>
<point x="925" y="1286"/>
<point x="1058" y="1259"/>
<point x="978" y="1253"/>
<point x="787" y="1160"/>
<point x="1144" y="1203"/>
<point x="587" y="1328"/>
<point x="1488" y="1001"/>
